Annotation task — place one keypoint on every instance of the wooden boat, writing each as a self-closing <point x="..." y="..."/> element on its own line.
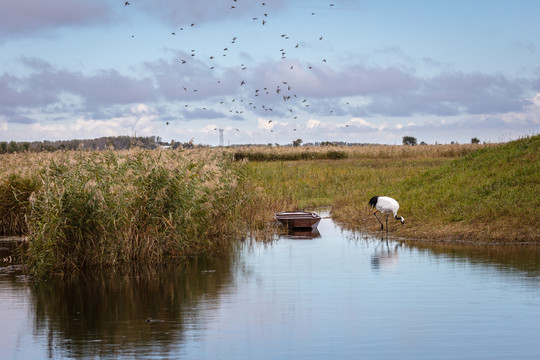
<point x="298" y="219"/>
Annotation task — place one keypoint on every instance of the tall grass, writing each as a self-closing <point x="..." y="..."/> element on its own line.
<point x="94" y="209"/>
<point x="287" y="153"/>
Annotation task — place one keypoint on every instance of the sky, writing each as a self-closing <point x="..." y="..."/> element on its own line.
<point x="270" y="71"/>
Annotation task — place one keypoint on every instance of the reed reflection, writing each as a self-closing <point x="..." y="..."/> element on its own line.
<point x="145" y="308"/>
<point x="506" y="258"/>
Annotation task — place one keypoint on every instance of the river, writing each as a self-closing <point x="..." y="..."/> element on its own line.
<point x="331" y="295"/>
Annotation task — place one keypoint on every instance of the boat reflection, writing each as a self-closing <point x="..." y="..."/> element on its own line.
<point x="303" y="234"/>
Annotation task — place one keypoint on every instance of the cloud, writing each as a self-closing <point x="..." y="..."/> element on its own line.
<point x="139" y="119"/>
<point x="185" y="77"/>
<point x="359" y="122"/>
<point x="312" y="123"/>
<point x="27" y="17"/>
<point x="50" y="90"/>
<point x="317" y="98"/>
<point x="16" y="91"/>
<point x="271" y="88"/>
<point x="393" y="91"/>
<point x="23" y="17"/>
<point x="201" y="113"/>
<point x="187" y="12"/>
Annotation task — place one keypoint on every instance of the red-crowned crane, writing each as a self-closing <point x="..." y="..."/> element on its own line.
<point x="386" y="205"/>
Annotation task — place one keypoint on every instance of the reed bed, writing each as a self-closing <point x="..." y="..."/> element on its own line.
<point x="85" y="209"/>
<point x="335" y="152"/>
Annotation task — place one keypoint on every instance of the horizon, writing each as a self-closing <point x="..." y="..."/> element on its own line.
<point x="158" y="141"/>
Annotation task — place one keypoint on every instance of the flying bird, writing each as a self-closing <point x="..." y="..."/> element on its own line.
<point x="386" y="205"/>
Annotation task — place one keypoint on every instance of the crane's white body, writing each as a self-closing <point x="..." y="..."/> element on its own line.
<point x="387" y="206"/>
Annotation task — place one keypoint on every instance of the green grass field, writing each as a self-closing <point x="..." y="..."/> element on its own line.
<point x="488" y="193"/>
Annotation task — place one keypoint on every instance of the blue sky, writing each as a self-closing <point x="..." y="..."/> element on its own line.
<point x="338" y="70"/>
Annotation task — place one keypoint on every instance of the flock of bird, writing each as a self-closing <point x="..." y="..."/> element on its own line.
<point x="257" y="99"/>
<point x="284" y="89"/>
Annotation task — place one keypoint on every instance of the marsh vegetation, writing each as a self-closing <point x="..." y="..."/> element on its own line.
<point x="88" y="209"/>
<point x="453" y="192"/>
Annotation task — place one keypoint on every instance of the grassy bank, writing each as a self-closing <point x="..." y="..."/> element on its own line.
<point x="469" y="192"/>
<point x="94" y="209"/>
<point x="364" y="170"/>
<point x="492" y="194"/>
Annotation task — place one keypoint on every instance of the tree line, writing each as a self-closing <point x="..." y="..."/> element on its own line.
<point x="102" y="143"/>
<point x="411" y="140"/>
<point x="146" y="142"/>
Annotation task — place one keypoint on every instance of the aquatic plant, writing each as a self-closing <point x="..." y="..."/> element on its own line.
<point x="86" y="209"/>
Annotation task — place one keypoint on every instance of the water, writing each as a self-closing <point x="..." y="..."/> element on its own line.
<point x="337" y="295"/>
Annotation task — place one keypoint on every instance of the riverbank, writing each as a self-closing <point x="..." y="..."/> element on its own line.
<point x="488" y="193"/>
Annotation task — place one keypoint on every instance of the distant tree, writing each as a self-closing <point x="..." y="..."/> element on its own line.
<point x="409" y="140"/>
<point x="297" y="142"/>
<point x="475" y="140"/>
<point x="13" y="147"/>
<point x="423" y="143"/>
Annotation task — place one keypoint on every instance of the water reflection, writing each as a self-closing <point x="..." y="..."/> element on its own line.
<point x="103" y="314"/>
<point x="505" y="258"/>
<point x="303" y="234"/>
<point x="338" y="294"/>
<point x="386" y="256"/>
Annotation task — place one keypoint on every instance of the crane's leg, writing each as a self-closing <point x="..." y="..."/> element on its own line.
<point x="387" y="222"/>
<point x="375" y="213"/>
